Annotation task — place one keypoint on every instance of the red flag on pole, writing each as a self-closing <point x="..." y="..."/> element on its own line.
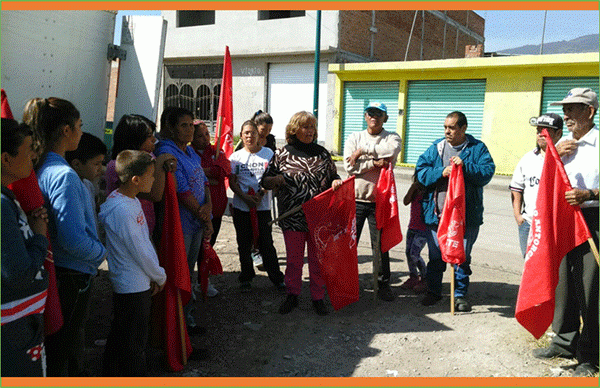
<point x="331" y="219"/>
<point x="224" y="132"/>
<point x="556" y="228"/>
<point x="28" y="193"/>
<point x="386" y="209"/>
<point x="173" y="259"/>
<point x="6" y="113"/>
<point x="451" y="230"/>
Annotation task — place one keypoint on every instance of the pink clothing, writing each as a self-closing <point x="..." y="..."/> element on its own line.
<point x="416" y="214"/>
<point x="294" y="246"/>
<point x="112" y="183"/>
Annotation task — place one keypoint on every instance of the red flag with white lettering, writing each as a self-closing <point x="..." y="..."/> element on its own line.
<point x="173" y="259"/>
<point x="386" y="209"/>
<point x="451" y="230"/>
<point x="331" y="219"/>
<point x="224" y="133"/>
<point x="556" y="228"/>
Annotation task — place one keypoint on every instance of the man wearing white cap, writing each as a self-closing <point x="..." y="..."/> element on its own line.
<point x="577" y="289"/>
<point x="365" y="154"/>
<point x="526" y="178"/>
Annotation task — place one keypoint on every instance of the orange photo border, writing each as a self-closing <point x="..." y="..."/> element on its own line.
<point x="585" y="5"/>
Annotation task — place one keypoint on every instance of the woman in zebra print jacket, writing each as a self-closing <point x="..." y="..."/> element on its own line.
<point x="300" y="170"/>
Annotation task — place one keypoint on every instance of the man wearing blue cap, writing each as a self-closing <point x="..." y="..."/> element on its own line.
<point x="365" y="154"/>
<point x="433" y="169"/>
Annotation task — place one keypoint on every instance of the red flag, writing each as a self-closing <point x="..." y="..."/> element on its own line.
<point x="6" y="112"/>
<point x="451" y="230"/>
<point x="386" y="209"/>
<point x="224" y="133"/>
<point x="209" y="265"/>
<point x="173" y="259"/>
<point x="28" y="193"/>
<point x="556" y="228"/>
<point x="331" y="219"/>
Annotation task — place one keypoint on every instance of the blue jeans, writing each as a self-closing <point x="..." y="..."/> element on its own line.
<point x="523" y="235"/>
<point x="436" y="266"/>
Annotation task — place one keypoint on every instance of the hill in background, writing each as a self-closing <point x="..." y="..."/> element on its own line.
<point x="583" y="44"/>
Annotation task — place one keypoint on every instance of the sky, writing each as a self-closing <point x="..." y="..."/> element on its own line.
<point x="503" y="29"/>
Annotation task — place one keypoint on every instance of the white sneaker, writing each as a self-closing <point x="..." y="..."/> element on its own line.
<point x="211" y="291"/>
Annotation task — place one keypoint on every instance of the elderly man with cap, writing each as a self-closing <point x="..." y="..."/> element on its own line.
<point x="365" y="154"/>
<point x="433" y="169"/>
<point x="577" y="289"/>
<point x="526" y="178"/>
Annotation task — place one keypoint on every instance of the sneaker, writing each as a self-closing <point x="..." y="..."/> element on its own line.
<point x="585" y="369"/>
<point x="385" y="293"/>
<point x="461" y="304"/>
<point x="211" y="291"/>
<point x="280" y="286"/>
<point x="420" y="287"/>
<point x="319" y="306"/>
<point x="550" y="352"/>
<point x="409" y="284"/>
<point x="245" y="287"/>
<point x="431" y="299"/>
<point x="288" y="304"/>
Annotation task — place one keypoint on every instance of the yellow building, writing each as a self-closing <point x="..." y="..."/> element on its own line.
<point x="497" y="94"/>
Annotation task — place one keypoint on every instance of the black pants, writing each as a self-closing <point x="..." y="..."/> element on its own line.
<point x="64" y="349"/>
<point x="366" y="211"/>
<point x="577" y="294"/>
<point x="124" y="354"/>
<point x="243" y="231"/>
<point x="216" y="224"/>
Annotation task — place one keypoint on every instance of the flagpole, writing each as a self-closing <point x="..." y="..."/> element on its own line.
<point x="286" y="214"/>
<point x="452" y="289"/>
<point x="218" y="136"/>
<point x="594" y="249"/>
<point x="376" y="263"/>
<point x="181" y="328"/>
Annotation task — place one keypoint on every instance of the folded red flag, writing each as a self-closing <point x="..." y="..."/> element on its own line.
<point x="209" y="265"/>
<point x="28" y="193"/>
<point x="451" y="230"/>
<point x="173" y="259"/>
<point x="386" y="209"/>
<point x="548" y="244"/>
<point x="331" y="218"/>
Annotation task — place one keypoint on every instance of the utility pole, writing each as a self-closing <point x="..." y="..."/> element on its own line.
<point x="317" y="65"/>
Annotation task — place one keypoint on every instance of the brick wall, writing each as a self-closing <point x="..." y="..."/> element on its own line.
<point x="393" y="31"/>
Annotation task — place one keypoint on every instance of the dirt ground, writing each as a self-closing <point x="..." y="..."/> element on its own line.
<point x="370" y="338"/>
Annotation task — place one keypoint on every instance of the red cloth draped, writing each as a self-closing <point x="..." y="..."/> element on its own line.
<point x="331" y="218"/>
<point x="28" y="193"/>
<point x="386" y="209"/>
<point x="221" y="167"/>
<point x="6" y="113"/>
<point x="209" y="265"/>
<point x="556" y="228"/>
<point x="224" y="134"/>
<point x="173" y="259"/>
<point x="451" y="230"/>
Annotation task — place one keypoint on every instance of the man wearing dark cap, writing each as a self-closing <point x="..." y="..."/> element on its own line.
<point x="577" y="290"/>
<point x="526" y="178"/>
<point x="365" y="154"/>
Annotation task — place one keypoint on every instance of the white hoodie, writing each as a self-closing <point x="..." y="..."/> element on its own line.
<point x="132" y="260"/>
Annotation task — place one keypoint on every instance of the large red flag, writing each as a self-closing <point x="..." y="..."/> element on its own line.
<point x="556" y="228"/>
<point x="224" y="133"/>
<point x="173" y="259"/>
<point x="331" y="219"/>
<point x="386" y="209"/>
<point x="28" y="193"/>
<point x="451" y="230"/>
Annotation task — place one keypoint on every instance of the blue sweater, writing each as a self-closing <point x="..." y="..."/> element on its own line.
<point x="478" y="168"/>
<point x="72" y="223"/>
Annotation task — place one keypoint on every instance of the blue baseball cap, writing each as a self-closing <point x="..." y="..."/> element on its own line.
<point x="377" y="105"/>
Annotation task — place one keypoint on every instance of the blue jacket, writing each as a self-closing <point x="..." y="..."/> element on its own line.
<point x="72" y="220"/>
<point x="478" y="168"/>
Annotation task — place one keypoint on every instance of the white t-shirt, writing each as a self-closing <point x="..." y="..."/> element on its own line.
<point x="249" y="169"/>
<point x="526" y="180"/>
<point x="582" y="165"/>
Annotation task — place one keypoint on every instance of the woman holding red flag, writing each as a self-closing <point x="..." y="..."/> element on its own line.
<point x="300" y="170"/>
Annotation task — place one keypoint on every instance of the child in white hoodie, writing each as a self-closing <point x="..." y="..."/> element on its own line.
<point x="133" y="266"/>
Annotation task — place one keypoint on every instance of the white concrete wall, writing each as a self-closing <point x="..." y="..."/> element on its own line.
<point x="246" y="35"/>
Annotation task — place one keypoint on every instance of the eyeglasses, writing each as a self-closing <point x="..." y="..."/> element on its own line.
<point x="375" y="113"/>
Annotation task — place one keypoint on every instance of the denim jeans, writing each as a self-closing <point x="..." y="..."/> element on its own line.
<point x="366" y="211"/>
<point x="523" y="235"/>
<point x="436" y="266"/>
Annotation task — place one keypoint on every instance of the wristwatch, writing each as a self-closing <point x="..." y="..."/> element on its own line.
<point x="593" y="196"/>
